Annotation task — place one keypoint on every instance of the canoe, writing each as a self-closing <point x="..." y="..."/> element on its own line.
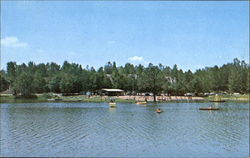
<point x="144" y="102"/>
<point x="209" y="108"/>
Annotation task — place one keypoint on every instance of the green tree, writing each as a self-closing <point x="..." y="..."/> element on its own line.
<point x="54" y="84"/>
<point x="205" y="79"/>
<point x="39" y="83"/>
<point x="52" y="69"/>
<point x="235" y="77"/>
<point x="151" y="80"/>
<point x="72" y="78"/>
<point x="4" y="84"/>
<point x="168" y="80"/>
<point x="24" y="84"/>
<point x="248" y="80"/>
<point x="67" y="84"/>
<point x="108" y="68"/>
<point x="11" y="75"/>
<point x="188" y="77"/>
<point x="197" y="85"/>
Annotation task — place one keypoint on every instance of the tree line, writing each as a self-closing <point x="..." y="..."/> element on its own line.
<point x="27" y="79"/>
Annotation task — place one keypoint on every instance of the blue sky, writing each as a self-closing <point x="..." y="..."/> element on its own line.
<point x="191" y="34"/>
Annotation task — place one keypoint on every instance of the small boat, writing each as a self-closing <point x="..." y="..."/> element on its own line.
<point x="159" y="111"/>
<point x="112" y="104"/>
<point x="209" y="108"/>
<point x="143" y="102"/>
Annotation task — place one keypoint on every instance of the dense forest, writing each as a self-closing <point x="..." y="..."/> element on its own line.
<point x="72" y="78"/>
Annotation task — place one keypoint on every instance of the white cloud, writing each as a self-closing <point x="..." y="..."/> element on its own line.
<point x="13" y="42"/>
<point x="137" y="59"/>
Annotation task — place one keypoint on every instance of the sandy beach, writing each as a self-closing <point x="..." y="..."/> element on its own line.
<point x="159" y="98"/>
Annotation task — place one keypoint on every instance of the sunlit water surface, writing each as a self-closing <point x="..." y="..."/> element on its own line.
<point x="94" y="129"/>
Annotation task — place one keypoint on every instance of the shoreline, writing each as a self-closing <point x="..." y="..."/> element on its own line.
<point x="8" y="98"/>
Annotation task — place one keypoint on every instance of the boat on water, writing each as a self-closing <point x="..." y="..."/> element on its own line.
<point x="159" y="111"/>
<point x="112" y="104"/>
<point x="209" y="108"/>
<point x="142" y="102"/>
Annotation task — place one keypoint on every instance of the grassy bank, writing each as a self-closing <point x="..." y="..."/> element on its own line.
<point x="232" y="98"/>
<point x="14" y="99"/>
<point x="49" y="97"/>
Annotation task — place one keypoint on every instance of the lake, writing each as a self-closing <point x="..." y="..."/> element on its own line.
<point x="95" y="130"/>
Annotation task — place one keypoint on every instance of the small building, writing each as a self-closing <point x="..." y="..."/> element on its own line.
<point x="112" y="92"/>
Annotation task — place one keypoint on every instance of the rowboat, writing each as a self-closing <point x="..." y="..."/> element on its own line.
<point x="209" y="108"/>
<point x="159" y="111"/>
<point x="112" y="104"/>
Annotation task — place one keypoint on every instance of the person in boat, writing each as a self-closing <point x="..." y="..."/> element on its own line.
<point x="112" y="100"/>
<point x="158" y="110"/>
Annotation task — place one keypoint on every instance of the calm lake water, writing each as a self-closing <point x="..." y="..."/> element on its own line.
<point x="94" y="129"/>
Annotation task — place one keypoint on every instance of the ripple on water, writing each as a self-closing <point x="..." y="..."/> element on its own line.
<point x="89" y="129"/>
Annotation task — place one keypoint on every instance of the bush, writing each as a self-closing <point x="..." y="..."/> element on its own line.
<point x="48" y="95"/>
<point x="26" y="97"/>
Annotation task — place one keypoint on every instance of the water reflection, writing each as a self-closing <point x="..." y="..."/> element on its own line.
<point x="112" y="109"/>
<point x="90" y="129"/>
